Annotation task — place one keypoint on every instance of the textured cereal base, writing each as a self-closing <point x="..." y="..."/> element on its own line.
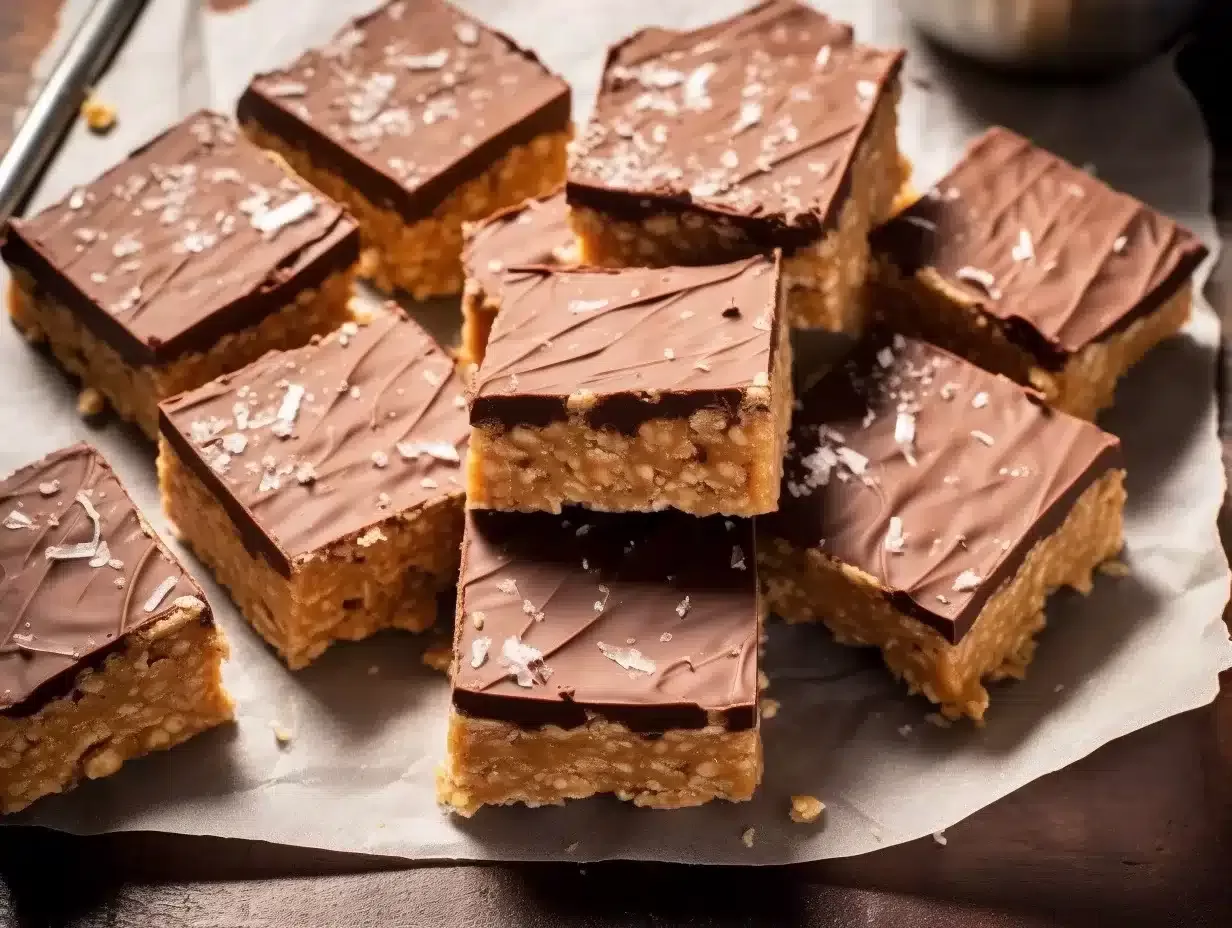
<point x="491" y="762"/>
<point x="424" y="257"/>
<point x="346" y="593"/>
<point x="161" y="686"/>
<point x="804" y="585"/>
<point x="134" y="392"/>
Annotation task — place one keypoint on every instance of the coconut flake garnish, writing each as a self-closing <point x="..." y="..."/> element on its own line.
<point x="750" y="115"/>
<point x="586" y="306"/>
<point x="467" y="33"/>
<point x="235" y="443"/>
<point x="920" y="222"/>
<point x="904" y="436"/>
<point x="823" y="56"/>
<point x="853" y="460"/>
<point x="102" y="556"/>
<point x="737" y="558"/>
<point x="866" y="90"/>
<point x="479" y="651"/>
<point x="967" y="581"/>
<point x="980" y="400"/>
<point x="982" y="437"/>
<point x="885" y="357"/>
<point x="695" y="95"/>
<point x="441" y="450"/>
<point x="159" y="594"/>
<point x="269" y="221"/>
<point x="895" y="538"/>
<point x="524" y="662"/>
<point x="1024" y="249"/>
<point x="17" y="519"/>
<point x="981" y="278"/>
<point x="289" y="409"/>
<point x="86" y="549"/>
<point x="285" y="89"/>
<point x="683" y="607"/>
<point x="629" y="658"/>
<point x="600" y="605"/>
<point x="433" y="61"/>
<point x="1119" y="244"/>
<point x="508" y="586"/>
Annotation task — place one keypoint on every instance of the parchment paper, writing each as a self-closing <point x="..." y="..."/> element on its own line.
<point x="368" y="718"/>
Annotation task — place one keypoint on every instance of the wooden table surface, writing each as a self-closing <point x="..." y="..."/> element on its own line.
<point x="1139" y="833"/>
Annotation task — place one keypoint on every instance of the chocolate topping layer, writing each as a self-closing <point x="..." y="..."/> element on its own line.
<point x="1057" y="256"/>
<point x="756" y="118"/>
<point x="534" y="232"/>
<point x="933" y="476"/>
<point x="646" y="343"/>
<point x="79" y="569"/>
<point x="650" y="620"/>
<point x="409" y="102"/>
<point x="305" y="448"/>
<point x="196" y="235"/>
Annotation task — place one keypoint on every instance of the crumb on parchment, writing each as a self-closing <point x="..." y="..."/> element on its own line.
<point x="90" y="403"/>
<point x="746" y="836"/>
<point x="806" y="809"/>
<point x="100" y="117"/>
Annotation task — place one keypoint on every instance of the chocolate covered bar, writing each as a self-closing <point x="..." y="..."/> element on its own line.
<point x="196" y="255"/>
<point x="534" y="232"/>
<point x="634" y="389"/>
<point x="600" y="653"/>
<point x="1037" y="270"/>
<point x="110" y="649"/>
<point x="420" y="119"/>
<point x="771" y="129"/>
<point x="929" y="508"/>
<point x="322" y="485"/>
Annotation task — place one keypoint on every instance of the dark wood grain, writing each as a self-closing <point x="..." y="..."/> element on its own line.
<point x="1139" y="833"/>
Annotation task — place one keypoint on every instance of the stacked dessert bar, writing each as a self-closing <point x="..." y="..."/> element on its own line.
<point x="617" y="477"/>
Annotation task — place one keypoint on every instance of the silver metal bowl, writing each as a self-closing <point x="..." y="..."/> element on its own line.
<point x="1059" y="37"/>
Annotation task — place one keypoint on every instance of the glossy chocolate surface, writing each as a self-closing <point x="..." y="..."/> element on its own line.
<point x="647" y="343"/>
<point x="196" y="235"/>
<point x="755" y="118"/>
<point x="79" y="569"/>
<point x="304" y="448"/>
<point x="409" y="102"/>
<point x="534" y="232"/>
<point x="1055" y="255"/>
<point x="931" y="475"/>
<point x="646" y="619"/>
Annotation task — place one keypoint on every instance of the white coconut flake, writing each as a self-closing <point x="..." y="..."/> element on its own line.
<point x="441" y="450"/>
<point x="695" y="95"/>
<point x="479" y="651"/>
<point x="1024" y="248"/>
<point x="288" y="410"/>
<point x="920" y="222"/>
<point x="737" y="558"/>
<point x="980" y="400"/>
<point x="904" y="435"/>
<point x="852" y="460"/>
<point x="102" y="556"/>
<point x="433" y="61"/>
<point x="86" y="549"/>
<point x="982" y="437"/>
<point x="285" y="89"/>
<point x="823" y="56"/>
<point x="683" y="607"/>
<point x="159" y="594"/>
<point x="524" y="662"/>
<point x="586" y="306"/>
<point x="981" y="278"/>
<point x="866" y="90"/>
<point x="895" y="539"/>
<point x="17" y="519"/>
<point x="629" y="658"/>
<point x="235" y="443"/>
<point x="885" y="357"/>
<point x="508" y="586"/>
<point x="967" y="581"/>
<point x="750" y="115"/>
<point x="467" y="33"/>
<point x="1118" y="246"/>
<point x="269" y="221"/>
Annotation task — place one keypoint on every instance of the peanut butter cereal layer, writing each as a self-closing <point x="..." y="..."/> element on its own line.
<point x="420" y="119"/>
<point x="110" y="649"/>
<point x="1035" y="269"/>
<point x="772" y="129"/>
<point x="929" y="508"/>
<point x="196" y="255"/>
<point x="604" y="653"/>
<point x="322" y="486"/>
<point x="634" y="390"/>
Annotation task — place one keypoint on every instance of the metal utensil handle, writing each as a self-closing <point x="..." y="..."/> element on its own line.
<point x="91" y="46"/>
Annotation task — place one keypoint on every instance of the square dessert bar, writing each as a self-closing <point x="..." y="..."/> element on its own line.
<point x="1035" y="269"/>
<point x="634" y="389"/>
<point x="193" y="257"/>
<point x="929" y="508"/>
<point x="420" y="119"/>
<point x="604" y="653"/>
<point x="110" y="649"/>
<point x="533" y="232"/>
<point x="772" y="129"/>
<point x="322" y="486"/>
